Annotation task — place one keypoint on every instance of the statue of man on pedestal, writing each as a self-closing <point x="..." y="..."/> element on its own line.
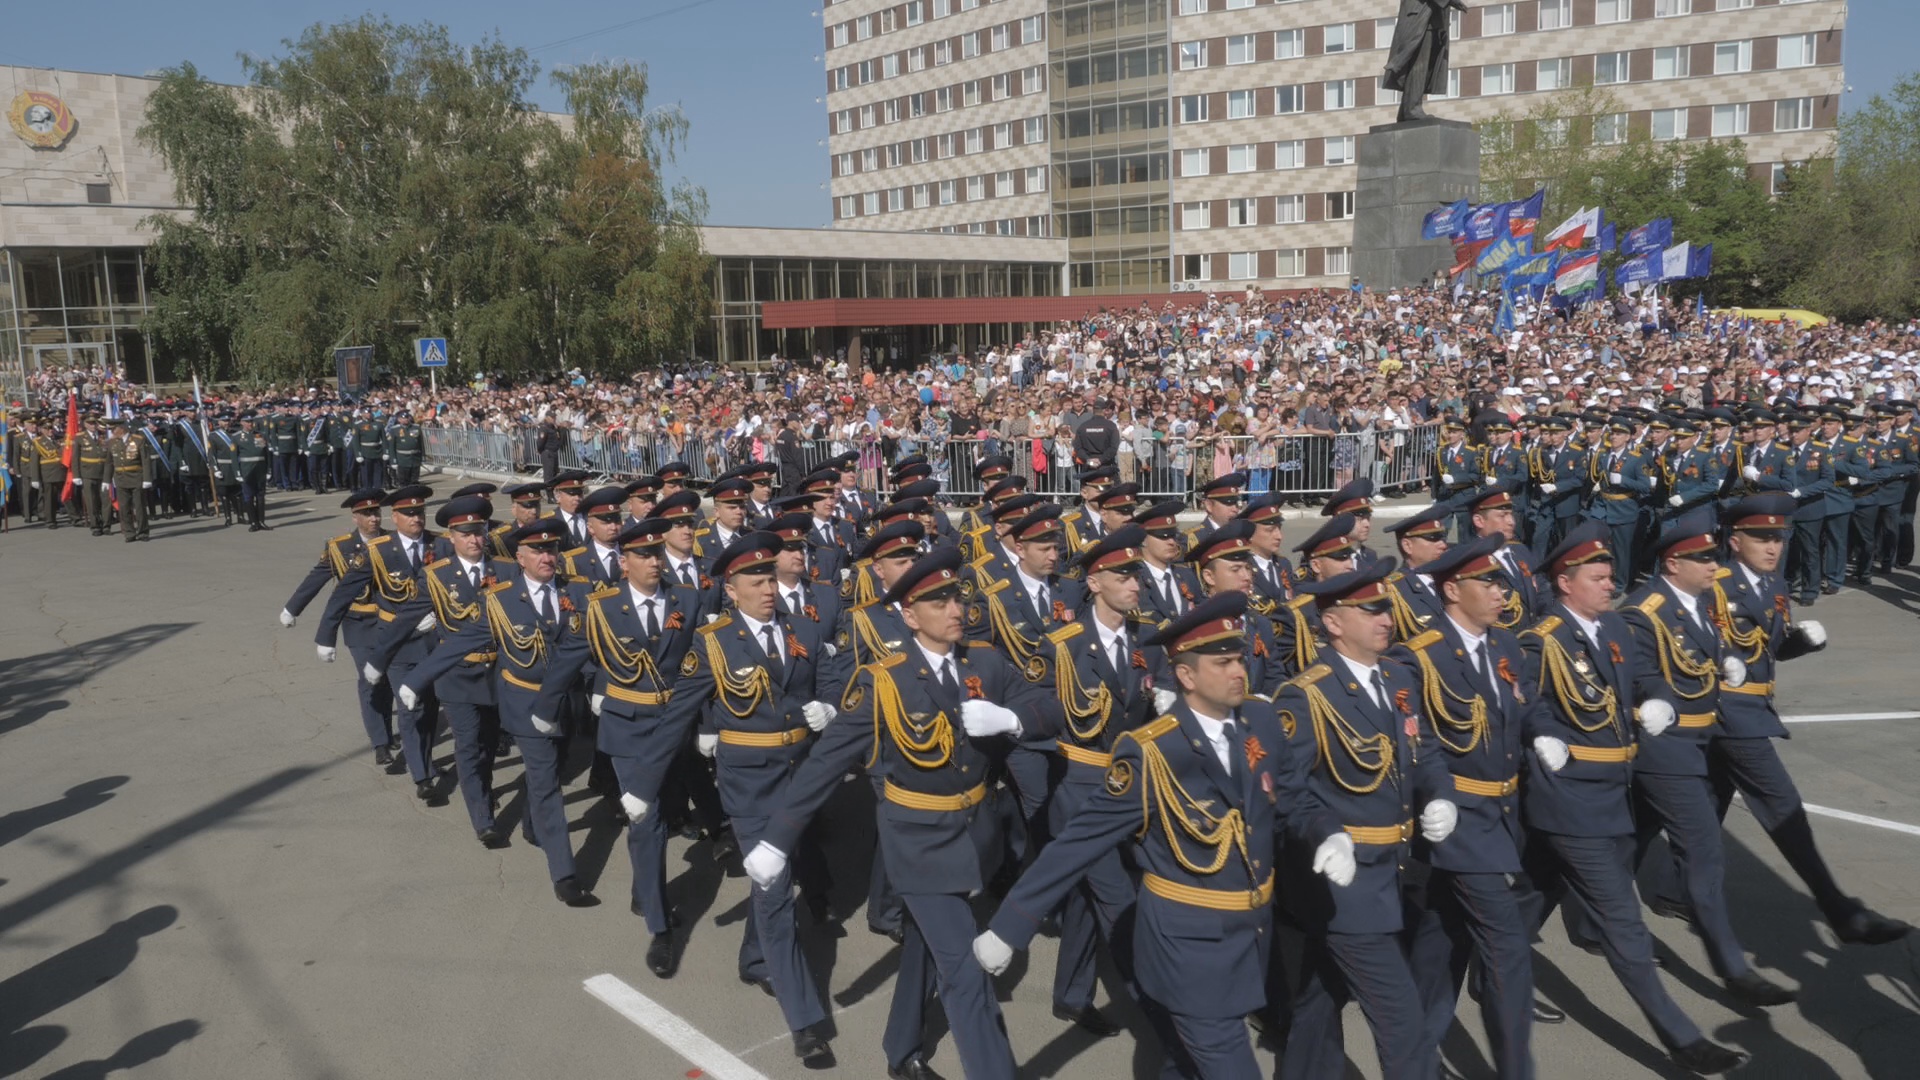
<point x="1417" y="60"/>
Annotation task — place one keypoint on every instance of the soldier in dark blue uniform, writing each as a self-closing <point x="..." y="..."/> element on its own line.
<point x="992" y="472"/>
<point x="800" y="592"/>
<point x="1559" y="478"/>
<point x="1328" y="553"/>
<point x="851" y="504"/>
<point x="1108" y="508"/>
<point x="526" y="502"/>
<point x="1220" y="499"/>
<point x="1224" y="564"/>
<point x="1579" y="663"/>
<point x="1204" y="793"/>
<point x="729" y="521"/>
<point x="1507" y="464"/>
<point x="1679" y="664"/>
<point x="761" y="475"/>
<point x="1619" y="481"/>
<point x="642" y="493"/>
<point x="1805" y="470"/>
<point x="930" y="720"/>
<point x="1469" y="685"/>
<point x="1422" y="538"/>
<point x="1375" y="780"/>
<point x="1272" y="573"/>
<point x="567" y="489"/>
<point x="597" y="562"/>
<point x="358" y="619"/>
<point x="1355" y="499"/>
<point x="755" y="680"/>
<point x="396" y="570"/>
<point x="1168" y="587"/>
<point x="1494" y="512"/>
<point x="689" y="801"/>
<point x="1459" y="467"/>
<point x="995" y="555"/>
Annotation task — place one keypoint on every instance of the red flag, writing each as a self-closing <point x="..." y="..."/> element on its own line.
<point x="66" y="451"/>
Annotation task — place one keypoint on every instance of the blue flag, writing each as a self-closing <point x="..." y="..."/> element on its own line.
<point x="1531" y="269"/>
<point x="1652" y="236"/>
<point x="1503" y="322"/>
<point x="1606" y="239"/>
<point x="1639" y="269"/>
<point x="1483" y="223"/>
<point x="1700" y="262"/>
<point x="1444" y="222"/>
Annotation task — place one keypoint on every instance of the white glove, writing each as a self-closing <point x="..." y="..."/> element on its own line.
<point x="712" y="617"/>
<point x="1813" y="632"/>
<point x="286" y="618"/>
<point x="706" y="743"/>
<point x="426" y="624"/>
<point x="819" y="714"/>
<point x="1613" y="478"/>
<point x="326" y="653"/>
<point x="845" y="573"/>
<point x="984" y="718"/>
<point x="1549" y="488"/>
<point x="1492" y="479"/>
<point x="1654" y="715"/>
<point x="411" y="700"/>
<point x="106" y="486"/>
<point x="993" y="955"/>
<point x="1446" y="478"/>
<point x="1438" y="819"/>
<point x="1163" y="701"/>
<point x="544" y="727"/>
<point x="1750" y="472"/>
<point x="373" y="675"/>
<point x="595" y="703"/>
<point x="218" y="475"/>
<point x="1334" y="858"/>
<point x="1795" y="493"/>
<point x="1551" y="751"/>
<point x="1598" y="488"/>
<point x="764" y="864"/>
<point x="36" y="485"/>
<point x="1852" y="480"/>
<point x="146" y="483"/>
<point x="1733" y="671"/>
<point x="1674" y="500"/>
<point x="635" y="807"/>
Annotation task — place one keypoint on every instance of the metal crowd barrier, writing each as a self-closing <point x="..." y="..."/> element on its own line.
<point x="1292" y="465"/>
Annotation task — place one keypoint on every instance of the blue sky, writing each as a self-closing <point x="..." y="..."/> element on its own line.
<point x="747" y="72"/>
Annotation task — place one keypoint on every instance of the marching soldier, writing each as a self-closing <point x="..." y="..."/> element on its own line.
<point x="1458" y="469"/>
<point x="357" y="617"/>
<point x="567" y="489"/>
<point x="193" y="472"/>
<point x="282" y="430"/>
<point x="597" y="562"/>
<point x="1837" y="519"/>
<point x="1168" y="587"/>
<point x="48" y="479"/>
<point x="341" y="437"/>
<point x="1223" y="562"/>
<point x="1422" y="538"/>
<point x="1507" y="464"/>
<point x="405" y="447"/>
<point x="1557" y="472"/>
<point x="979" y="522"/>
<point x="1272" y="573"/>
<point x="1106" y="508"/>
<point x="993" y="470"/>
<point x="1374" y="779"/>
<point x="93" y="474"/>
<point x="729" y="517"/>
<point x="930" y="721"/>
<point x="799" y="593"/>
<point x="641" y="495"/>
<point x="1578" y="663"/>
<point x="130" y="461"/>
<point x="851" y="504"/>
<point x="1903" y="452"/>
<point x="1355" y="499"/>
<point x="525" y="615"/>
<point x="526" y="501"/>
<point x="369" y="451"/>
<point x="1220" y="499"/>
<point x="318" y="427"/>
<point x="1204" y="792"/>
<point x="225" y="465"/>
<point x="1806" y="472"/>
<point x="394" y="575"/>
<point x="1494" y="513"/>
<point x="689" y="797"/>
<point x="1619" y="479"/>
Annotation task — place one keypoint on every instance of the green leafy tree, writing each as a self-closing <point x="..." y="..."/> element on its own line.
<point x="379" y="183"/>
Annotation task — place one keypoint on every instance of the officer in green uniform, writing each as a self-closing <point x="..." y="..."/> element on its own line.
<point x="251" y="448"/>
<point x="282" y="430"/>
<point x="225" y="451"/>
<point x="316" y="428"/>
<point x="340" y="437"/>
<point x="404" y="447"/>
<point x="93" y="474"/>
<point x="129" y="457"/>
<point x="369" y="451"/>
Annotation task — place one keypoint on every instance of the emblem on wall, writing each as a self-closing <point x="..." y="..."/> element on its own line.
<point x="42" y="119"/>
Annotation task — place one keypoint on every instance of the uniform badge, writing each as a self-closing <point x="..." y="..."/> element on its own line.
<point x="1119" y="778"/>
<point x="856" y="693"/>
<point x="357" y="560"/>
<point x="691" y="665"/>
<point x="1287" y="723"/>
<point x="843" y="639"/>
<point x="975" y="613"/>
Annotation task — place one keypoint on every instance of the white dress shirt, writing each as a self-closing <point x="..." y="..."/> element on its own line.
<point x="1216" y="733"/>
<point x="1363" y="674"/>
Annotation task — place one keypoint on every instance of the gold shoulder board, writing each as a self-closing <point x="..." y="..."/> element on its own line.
<point x="1423" y="640"/>
<point x="1312" y="675"/>
<point x="716" y="625"/>
<point x="1652" y="603"/>
<point x="501" y="586"/>
<point x="604" y="592"/>
<point x="1722" y="573"/>
<point x="1545" y="626"/>
<point x="1066" y="633"/>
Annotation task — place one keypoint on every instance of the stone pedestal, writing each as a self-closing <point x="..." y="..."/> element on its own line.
<point x="1407" y="170"/>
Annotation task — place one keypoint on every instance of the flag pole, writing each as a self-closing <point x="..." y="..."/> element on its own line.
<point x="206" y="444"/>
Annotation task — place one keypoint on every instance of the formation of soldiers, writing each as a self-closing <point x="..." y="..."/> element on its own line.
<point x="157" y="461"/>
<point x="1401" y="765"/>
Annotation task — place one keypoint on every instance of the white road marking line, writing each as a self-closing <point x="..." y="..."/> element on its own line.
<point x="678" y="1035"/>
<point x="1836" y="718"/>
<point x="1863" y="819"/>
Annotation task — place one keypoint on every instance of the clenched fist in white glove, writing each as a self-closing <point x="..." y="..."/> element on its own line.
<point x="426" y="624"/>
<point x="993" y="955"/>
<point x="1552" y="752"/>
<point x="819" y="714"/>
<point x="1733" y="671"/>
<point x="1613" y="478"/>
<point x="372" y="674"/>
<point x="1815" y="634"/>
<point x="540" y="724"/>
<point x="144" y="484"/>
<point x="36" y="485"/>
<point x="326" y="653"/>
<point x="1795" y="493"/>
<point x="845" y="573"/>
<point x="1163" y="701"/>
<point x="106" y="486"/>
<point x="764" y="864"/>
<point x="1674" y="500"/>
<point x="706" y="742"/>
<point x="1492" y="478"/>
<point x="596" y="703"/>
<point x="1750" y="472"/>
<point x="1549" y="488"/>
<point x="410" y="700"/>
<point x="1654" y="715"/>
<point x="1334" y="858"/>
<point x="1446" y="478"/>
<point x="635" y="806"/>
<point x="1438" y="819"/>
<point x="984" y="718"/>
<point x="286" y="618"/>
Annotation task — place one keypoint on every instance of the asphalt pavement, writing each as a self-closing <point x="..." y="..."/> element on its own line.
<point x="203" y="874"/>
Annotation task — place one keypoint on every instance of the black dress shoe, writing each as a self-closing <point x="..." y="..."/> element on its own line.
<point x="660" y="958"/>
<point x="811" y="1047"/>
<point x="1804" y="599"/>
<point x="491" y="837"/>
<point x="1829" y="590"/>
<point x="424" y="790"/>
<point x="765" y="985"/>
<point x="382" y="756"/>
<point x="724" y="845"/>
<point x="1089" y="1020"/>
<point x="1869" y="927"/>
<point x="914" y="1068"/>
<point x="1753" y="988"/>
<point x="1659" y="958"/>
<point x="1670" y="909"/>
<point x="1544" y="1013"/>
<point x="1707" y="1058"/>
<point x="569" y="892"/>
<point x="398" y="765"/>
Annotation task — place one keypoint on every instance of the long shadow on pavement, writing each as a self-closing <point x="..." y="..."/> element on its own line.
<point x="139" y="1050"/>
<point x="64" y="978"/>
<point x="77" y="799"/>
<point x="33" y="686"/>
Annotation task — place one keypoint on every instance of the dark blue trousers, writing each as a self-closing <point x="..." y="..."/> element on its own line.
<point x="1833" y="549"/>
<point x="1468" y="914"/>
<point x="1031" y="772"/>
<point x="905" y="1034"/>
<point x="1371" y="969"/>
<point x="770" y="946"/>
<point x="1204" y="1047"/>
<point x="1683" y="806"/>
<point x="945" y="921"/>
<point x="883" y="903"/>
<point x="417" y="727"/>
<point x="546" y="810"/>
<point x="647" y="838"/>
<point x="376" y="701"/>
<point x="476" y="728"/>
<point x="1803" y="558"/>
<point x="1093" y="909"/>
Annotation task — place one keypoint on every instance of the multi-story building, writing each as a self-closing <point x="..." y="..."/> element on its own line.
<point x="1174" y="143"/>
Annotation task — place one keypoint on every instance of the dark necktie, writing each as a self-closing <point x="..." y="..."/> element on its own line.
<point x="573" y="529"/>
<point x="473" y="575"/>
<point x="613" y="566"/>
<point x="944" y="676"/>
<point x="413" y="557"/>
<point x="1236" y="767"/>
<point x="1040" y="601"/>
<point x="1484" y="665"/>
<point x="548" y="611"/>
<point x="772" y="647"/>
<point x="686" y="573"/>
<point x="1379" y="686"/>
<point x="651" y="621"/>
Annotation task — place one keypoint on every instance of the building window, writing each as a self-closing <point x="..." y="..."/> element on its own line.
<point x="1236" y="5"/>
<point x="942" y="53"/>
<point x="1668" y="9"/>
<point x="1339" y="205"/>
<point x="886" y="21"/>
<point x="1732" y="57"/>
<point x="1555" y="74"/>
<point x="1496" y="79"/>
<point x="890" y="66"/>
<point x="1669" y="124"/>
<point x="896" y="200"/>
<point x="1030" y="80"/>
<point x="1193" y="7"/>
<point x="1552" y="133"/>
<point x="1671" y="62"/>
<point x="1497" y="20"/>
<point x="1612" y="11"/>
<point x="916" y="106"/>
<point x="920" y="196"/>
<point x="1196" y="268"/>
<point x="1382" y="95"/>
<point x="1194" y="162"/>
<point x="943" y="99"/>
<point x="1289" y="99"/>
<point x="976" y="188"/>
<point x="864" y="28"/>
<point x="892" y="110"/>
<point x="1556" y="14"/>
<point x="1777" y="178"/>
<point x="942" y="8"/>
<point x="1036" y="130"/>
<point x="1193" y="109"/>
<point x="1239" y="104"/>
<point x="1002" y="136"/>
<point x="1793" y="114"/>
<point x="1193" y="55"/>
<point x="870" y="159"/>
<point x="1338" y="261"/>
<point x="840" y="36"/>
<point x="970" y="45"/>
<point x="1383" y="31"/>
<point x="1339" y="94"/>
<point x="894" y="155"/>
<point x="1290" y="262"/>
<point x="1290" y="209"/>
<point x="1732" y="5"/>
<point x="1339" y="38"/>
<point x="1290" y="154"/>
<point x="916" y="14"/>
<point x="948" y="190"/>
<point x="1002" y="86"/>
<point x="1241" y="158"/>
<point x="1339" y="149"/>
<point x="1242" y="212"/>
<point x="1453" y="84"/>
<point x="1032" y="29"/>
<point x="976" y="140"/>
<point x="1796" y="50"/>
<point x="971" y="92"/>
<point x="1610" y="68"/>
<point x="997" y="38"/>
<point x="1036" y="179"/>
<point x="1240" y="49"/>
<point x="847" y="207"/>
<point x="1289" y="44"/>
<point x="1194" y="215"/>
<point x="943" y="146"/>
<point x="1729" y="121"/>
<point x="1610" y="129"/>
<point x="1242" y="265"/>
<point x="843" y="165"/>
<point x="1002" y="185"/>
<point x="1037" y="225"/>
<point x="870" y="203"/>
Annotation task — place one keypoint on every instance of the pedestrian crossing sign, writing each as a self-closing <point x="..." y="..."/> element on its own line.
<point x="430" y="351"/>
